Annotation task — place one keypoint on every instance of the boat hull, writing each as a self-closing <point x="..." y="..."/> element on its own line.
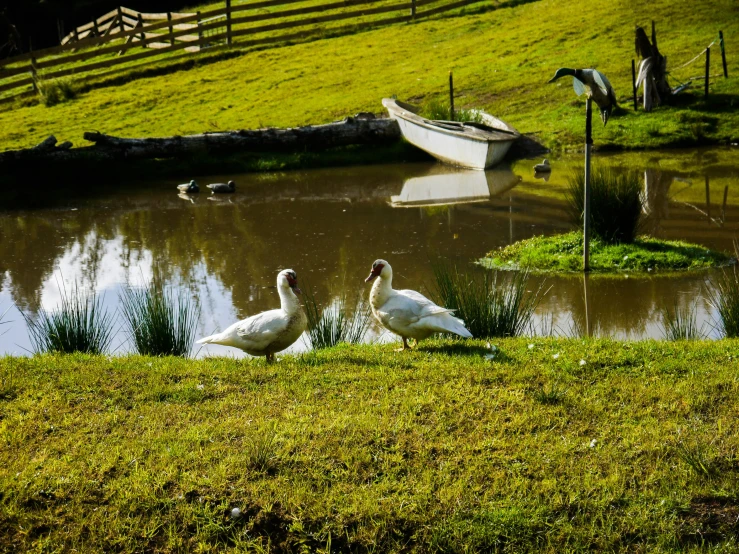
<point x="452" y="146"/>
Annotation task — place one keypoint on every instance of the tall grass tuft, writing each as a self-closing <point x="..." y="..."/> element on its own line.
<point x="159" y="320"/>
<point x="439" y="110"/>
<point x="724" y="297"/>
<point x="344" y="320"/>
<point x="680" y="323"/>
<point x="79" y="324"/>
<point x="488" y="307"/>
<point x="615" y="204"/>
<point x="55" y="91"/>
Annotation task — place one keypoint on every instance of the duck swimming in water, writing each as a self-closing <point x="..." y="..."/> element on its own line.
<point x="598" y="88"/>
<point x="223" y="187"/>
<point x="189" y="188"/>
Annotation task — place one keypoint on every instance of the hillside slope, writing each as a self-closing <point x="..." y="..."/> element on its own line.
<point x="501" y="59"/>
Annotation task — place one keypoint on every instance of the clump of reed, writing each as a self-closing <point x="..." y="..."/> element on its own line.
<point x="440" y="110"/>
<point x="158" y="320"/>
<point x="489" y="305"/>
<point x="615" y="203"/>
<point x="347" y="319"/>
<point x="55" y="91"/>
<point x="723" y="295"/>
<point x="681" y="323"/>
<point x="79" y="324"/>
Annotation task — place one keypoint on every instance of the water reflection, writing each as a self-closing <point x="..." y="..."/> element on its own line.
<point x="448" y="185"/>
<point x="329" y="225"/>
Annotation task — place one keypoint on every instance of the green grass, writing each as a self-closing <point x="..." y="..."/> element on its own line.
<point x="360" y="449"/>
<point x="724" y="296"/>
<point x="680" y="323"/>
<point x="615" y="202"/>
<point x="343" y="319"/>
<point x="79" y="324"/>
<point x="501" y="60"/>
<point x="160" y="320"/>
<point x="563" y="253"/>
<point x="490" y="305"/>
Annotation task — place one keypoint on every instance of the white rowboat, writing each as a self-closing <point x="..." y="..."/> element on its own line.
<point x="471" y="145"/>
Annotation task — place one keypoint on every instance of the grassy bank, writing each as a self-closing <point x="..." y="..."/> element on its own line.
<point x="501" y="59"/>
<point x="563" y="253"/>
<point x="566" y="445"/>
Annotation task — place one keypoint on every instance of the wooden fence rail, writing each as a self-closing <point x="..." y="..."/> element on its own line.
<point x="122" y="30"/>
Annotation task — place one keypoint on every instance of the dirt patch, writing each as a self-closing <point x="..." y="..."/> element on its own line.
<point x="709" y="519"/>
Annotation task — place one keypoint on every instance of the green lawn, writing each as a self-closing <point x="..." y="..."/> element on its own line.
<point x="564" y="253"/>
<point x="555" y="445"/>
<point x="501" y="60"/>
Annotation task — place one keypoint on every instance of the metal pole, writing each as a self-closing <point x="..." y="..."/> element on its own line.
<point x="585" y="278"/>
<point x="586" y="203"/>
<point x="451" y="96"/>
<point x="723" y="53"/>
<point x="708" y="68"/>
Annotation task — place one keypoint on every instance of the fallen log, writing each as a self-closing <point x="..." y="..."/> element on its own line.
<point x="360" y="129"/>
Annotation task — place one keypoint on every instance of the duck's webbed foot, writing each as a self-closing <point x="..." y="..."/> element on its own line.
<point x="270" y="357"/>
<point x="406" y="346"/>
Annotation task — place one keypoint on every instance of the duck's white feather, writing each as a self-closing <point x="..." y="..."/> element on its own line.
<point x="409" y="313"/>
<point x="268" y="332"/>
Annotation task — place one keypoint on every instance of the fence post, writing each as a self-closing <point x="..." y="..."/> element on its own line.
<point x="143" y="33"/>
<point x="121" y="27"/>
<point x="60" y="29"/>
<point x="76" y="35"/>
<point x="34" y="74"/>
<point x="708" y="67"/>
<point x="413" y="9"/>
<point x="228" y="22"/>
<point x="633" y="82"/>
<point x="95" y="27"/>
<point x="723" y="53"/>
<point x="654" y="36"/>
<point x="171" y="29"/>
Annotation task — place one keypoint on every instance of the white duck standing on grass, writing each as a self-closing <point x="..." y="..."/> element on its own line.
<point x="406" y="312"/>
<point x="269" y="332"/>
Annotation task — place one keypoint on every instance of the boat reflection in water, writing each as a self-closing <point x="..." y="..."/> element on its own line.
<point x="446" y="185"/>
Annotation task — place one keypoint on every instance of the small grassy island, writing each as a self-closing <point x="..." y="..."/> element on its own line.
<point x="563" y="253"/>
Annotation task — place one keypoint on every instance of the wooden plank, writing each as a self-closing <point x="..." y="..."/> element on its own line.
<point x="324" y="19"/>
<point x="131" y="22"/>
<point x="301" y="11"/>
<point x="445" y="8"/>
<point x="95" y="41"/>
<point x="115" y="61"/>
<point x="311" y="32"/>
<point x="185" y="26"/>
<point x="17" y="84"/>
<point x="83" y="56"/>
<point x="132" y="13"/>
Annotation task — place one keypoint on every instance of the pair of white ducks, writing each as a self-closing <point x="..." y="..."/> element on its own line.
<point x="406" y="313"/>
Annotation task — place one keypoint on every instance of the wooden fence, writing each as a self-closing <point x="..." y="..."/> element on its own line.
<point x="119" y="36"/>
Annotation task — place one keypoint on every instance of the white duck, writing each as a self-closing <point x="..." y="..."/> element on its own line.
<point x="406" y="312"/>
<point x="269" y="332"/>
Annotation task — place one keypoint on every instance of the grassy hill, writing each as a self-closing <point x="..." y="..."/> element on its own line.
<point x="501" y="59"/>
<point x="561" y="446"/>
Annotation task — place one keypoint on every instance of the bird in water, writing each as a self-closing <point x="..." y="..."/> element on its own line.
<point x="189" y="188"/>
<point x="223" y="187"/>
<point x="406" y="312"/>
<point x="598" y="88"/>
<point x="268" y="332"/>
<point x="543" y="167"/>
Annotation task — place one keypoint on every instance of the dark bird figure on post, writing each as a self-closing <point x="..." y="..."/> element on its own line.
<point x="598" y="88"/>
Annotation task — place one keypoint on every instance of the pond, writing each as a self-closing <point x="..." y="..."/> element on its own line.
<point x="330" y="224"/>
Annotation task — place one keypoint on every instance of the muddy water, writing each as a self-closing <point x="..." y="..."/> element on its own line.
<point x="329" y="225"/>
